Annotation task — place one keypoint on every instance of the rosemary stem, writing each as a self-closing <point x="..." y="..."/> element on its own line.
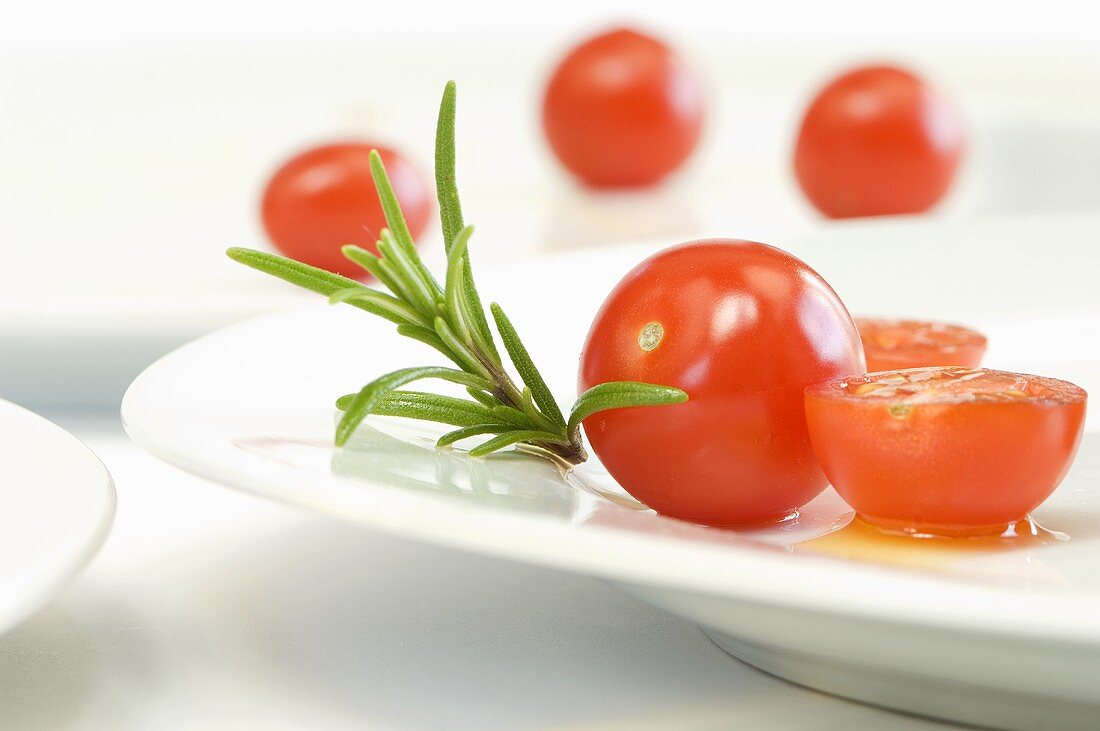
<point x="506" y="391"/>
<point x="452" y="320"/>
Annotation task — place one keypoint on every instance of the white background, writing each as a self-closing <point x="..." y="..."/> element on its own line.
<point x="133" y="139"/>
<point x="866" y="23"/>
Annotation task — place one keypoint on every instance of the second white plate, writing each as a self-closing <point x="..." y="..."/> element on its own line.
<point x="56" y="505"/>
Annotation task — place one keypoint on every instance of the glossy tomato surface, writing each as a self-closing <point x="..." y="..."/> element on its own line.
<point x="325" y="198"/>
<point x="951" y="451"/>
<point x="891" y="345"/>
<point x="743" y="328"/>
<point x="622" y="109"/>
<point x="877" y="141"/>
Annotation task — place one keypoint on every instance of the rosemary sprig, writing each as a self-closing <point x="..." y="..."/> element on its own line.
<point x="450" y="318"/>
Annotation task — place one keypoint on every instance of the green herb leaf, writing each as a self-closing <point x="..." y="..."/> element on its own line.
<point x="619" y="395"/>
<point x="480" y="324"/>
<point x="379" y="304"/>
<point x="415" y="288"/>
<point x="426" y="336"/>
<point x="428" y="407"/>
<point x="382" y="270"/>
<point x="372" y="394"/>
<point x="510" y="415"/>
<point x="395" y="220"/>
<point x="472" y="382"/>
<point x="433" y="407"/>
<point x="482" y="397"/>
<point x="456" y="265"/>
<point x="526" y="366"/>
<point x="509" y="438"/>
<point x="458" y="350"/>
<point x="327" y="283"/>
<point x="450" y="209"/>
<point x="289" y="270"/>
<point x="472" y="431"/>
<point x="450" y="215"/>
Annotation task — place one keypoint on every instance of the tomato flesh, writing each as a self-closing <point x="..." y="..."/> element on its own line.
<point x="622" y="109"/>
<point x="948" y="451"/>
<point x="891" y="345"/>
<point x="877" y="141"/>
<point x="325" y="198"/>
<point x="743" y="328"/>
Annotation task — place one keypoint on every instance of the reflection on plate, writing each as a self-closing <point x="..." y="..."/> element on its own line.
<point x="399" y="455"/>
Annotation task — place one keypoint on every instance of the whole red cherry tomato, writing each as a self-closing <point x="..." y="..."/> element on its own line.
<point x="876" y="141"/>
<point x="743" y="328"/>
<point x="622" y="109"/>
<point x="951" y="451"/>
<point x="893" y="344"/>
<point x="324" y="199"/>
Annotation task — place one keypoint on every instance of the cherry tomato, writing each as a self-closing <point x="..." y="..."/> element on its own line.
<point x="877" y="141"/>
<point x="324" y="199"/>
<point x="743" y="328"/>
<point x="951" y="451"/>
<point x="622" y="109"/>
<point x="893" y="344"/>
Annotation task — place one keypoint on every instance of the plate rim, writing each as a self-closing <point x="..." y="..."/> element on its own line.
<point x="618" y="554"/>
<point x="50" y="574"/>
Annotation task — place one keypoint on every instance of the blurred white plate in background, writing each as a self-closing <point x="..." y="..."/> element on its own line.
<point x="1007" y="638"/>
<point x="56" y="506"/>
<point x="113" y="220"/>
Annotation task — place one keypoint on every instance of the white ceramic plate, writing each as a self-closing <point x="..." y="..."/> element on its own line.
<point x="1007" y="638"/>
<point x="56" y="505"/>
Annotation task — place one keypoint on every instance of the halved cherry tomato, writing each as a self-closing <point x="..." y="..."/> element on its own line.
<point x="894" y="344"/>
<point x="877" y="141"/>
<point x="948" y="451"/>
<point x="743" y="328"/>
<point x="622" y="109"/>
<point x="324" y="199"/>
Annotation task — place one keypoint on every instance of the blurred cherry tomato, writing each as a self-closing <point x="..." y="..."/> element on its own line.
<point x="950" y="451"/>
<point x="622" y="109"/>
<point x="743" y="328"/>
<point x="324" y="199"/>
<point x="893" y="344"/>
<point x="877" y="141"/>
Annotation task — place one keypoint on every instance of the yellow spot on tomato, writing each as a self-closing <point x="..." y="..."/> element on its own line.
<point x="899" y="411"/>
<point x="650" y="336"/>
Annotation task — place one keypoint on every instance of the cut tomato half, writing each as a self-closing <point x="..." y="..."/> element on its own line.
<point x="895" y="344"/>
<point x="945" y="451"/>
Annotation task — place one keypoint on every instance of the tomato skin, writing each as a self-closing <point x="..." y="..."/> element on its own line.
<point x="877" y="141"/>
<point x="622" y="109"/>
<point x="891" y="345"/>
<point x="325" y="198"/>
<point x="746" y="328"/>
<point x="953" y="468"/>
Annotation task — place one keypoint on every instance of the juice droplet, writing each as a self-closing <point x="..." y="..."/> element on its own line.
<point x="1025" y="527"/>
<point x="864" y="541"/>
